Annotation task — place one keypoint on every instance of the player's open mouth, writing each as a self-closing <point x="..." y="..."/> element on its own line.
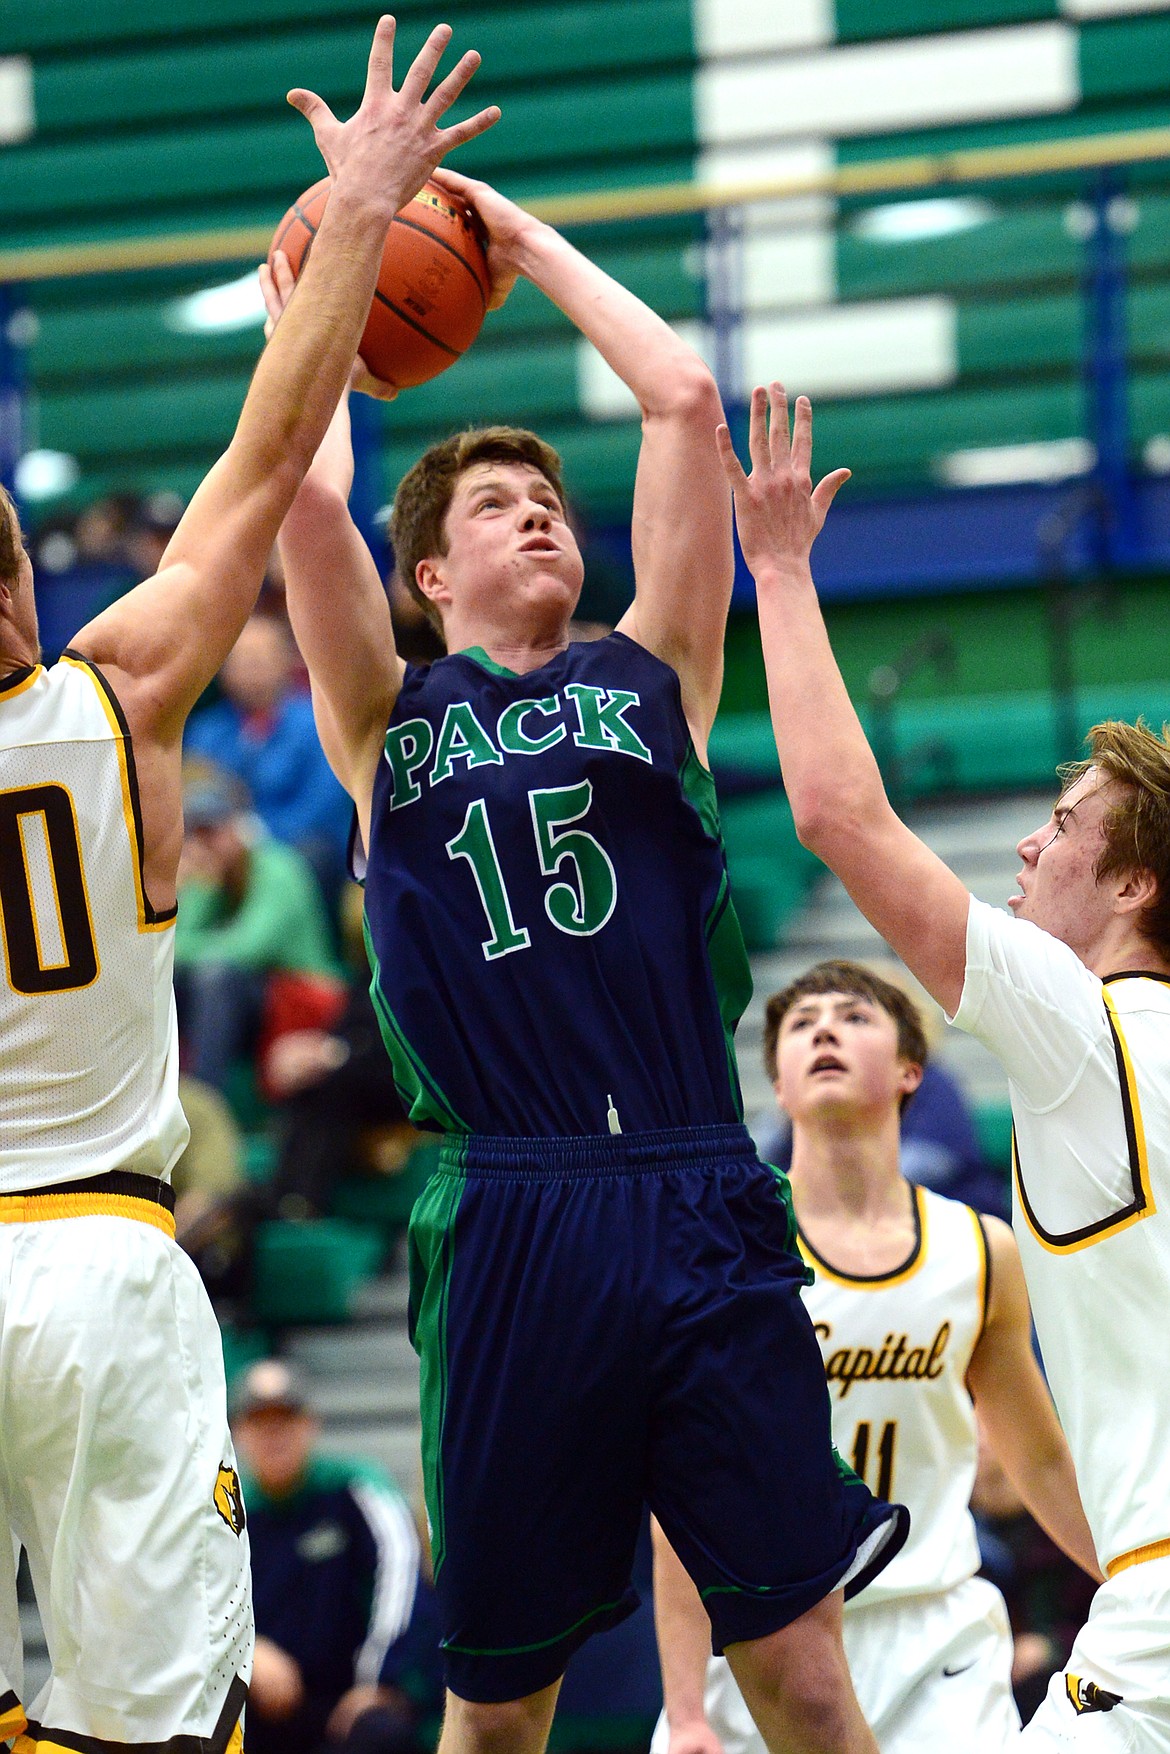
<point x="827" y="1063"/>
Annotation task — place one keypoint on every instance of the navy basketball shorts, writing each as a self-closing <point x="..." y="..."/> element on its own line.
<point x="604" y="1322"/>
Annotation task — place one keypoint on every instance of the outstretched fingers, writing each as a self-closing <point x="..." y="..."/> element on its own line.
<point x="380" y="66"/>
<point x="825" y="492"/>
<point x="802" y="437"/>
<point x="313" y="108"/>
<point x="732" y="467"/>
<point x="778" y="439"/>
<point x="422" y="68"/>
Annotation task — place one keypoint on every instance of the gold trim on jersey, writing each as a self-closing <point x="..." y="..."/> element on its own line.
<point x="1138" y="1556"/>
<point x="876" y="1281"/>
<point x="149" y="919"/>
<point x="1142" y="1204"/>
<point x="18" y="680"/>
<point x="37" y="1208"/>
<point x="983" y="1248"/>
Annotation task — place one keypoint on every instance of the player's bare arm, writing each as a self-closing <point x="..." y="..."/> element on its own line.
<point x="1016" y="1409"/>
<point x="838" y="800"/>
<point x="336" y="602"/>
<point x="683" y="564"/>
<point x="160" y="645"/>
<point x="684" y="1645"/>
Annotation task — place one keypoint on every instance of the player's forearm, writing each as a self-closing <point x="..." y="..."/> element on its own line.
<point x="830" y="775"/>
<point x="1048" y="1486"/>
<point x="303" y="371"/>
<point x="684" y="1636"/>
<point x="657" y="365"/>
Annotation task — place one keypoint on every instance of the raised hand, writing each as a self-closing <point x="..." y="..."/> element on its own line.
<point x="386" y="151"/>
<point x="778" y="512"/>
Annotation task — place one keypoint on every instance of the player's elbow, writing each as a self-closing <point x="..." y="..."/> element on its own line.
<point x="829" y="818"/>
<point x="688" y="394"/>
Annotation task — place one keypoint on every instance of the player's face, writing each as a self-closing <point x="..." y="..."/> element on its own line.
<point x="509" y="545"/>
<point x="1058" y="882"/>
<point x="837" y="1056"/>
<point x="22" y="644"/>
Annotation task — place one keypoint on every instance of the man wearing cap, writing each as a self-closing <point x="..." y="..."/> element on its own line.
<point x="340" y="1605"/>
<point x="250" y="905"/>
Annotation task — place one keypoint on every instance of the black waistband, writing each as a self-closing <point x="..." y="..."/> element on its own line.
<point x="115" y="1181"/>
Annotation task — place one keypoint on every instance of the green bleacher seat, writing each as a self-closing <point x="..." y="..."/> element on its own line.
<point x="310" y="1271"/>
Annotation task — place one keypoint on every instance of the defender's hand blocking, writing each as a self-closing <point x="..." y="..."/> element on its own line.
<point x="778" y="512"/>
<point x="389" y="147"/>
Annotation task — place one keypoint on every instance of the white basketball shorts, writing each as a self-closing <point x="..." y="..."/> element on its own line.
<point x="117" y="1477"/>
<point x="1122" y="1654"/>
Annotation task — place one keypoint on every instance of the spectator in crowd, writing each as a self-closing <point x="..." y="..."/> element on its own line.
<point x="262" y="730"/>
<point x="149" y="527"/>
<point x="340" y="1114"/>
<point x="346" y="1643"/>
<point x="248" y="907"/>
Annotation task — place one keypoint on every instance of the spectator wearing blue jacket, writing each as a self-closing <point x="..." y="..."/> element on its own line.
<point x="261" y="729"/>
<point x="341" y="1607"/>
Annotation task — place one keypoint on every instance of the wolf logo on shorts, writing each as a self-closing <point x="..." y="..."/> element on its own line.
<point x="1087" y="1696"/>
<point x="229" y="1500"/>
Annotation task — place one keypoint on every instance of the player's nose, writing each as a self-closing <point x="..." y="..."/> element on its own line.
<point x="536" y="516"/>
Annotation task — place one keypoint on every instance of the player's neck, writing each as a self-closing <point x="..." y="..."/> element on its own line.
<point x="1127" y="953"/>
<point x="518" y="652"/>
<point x="847" y="1170"/>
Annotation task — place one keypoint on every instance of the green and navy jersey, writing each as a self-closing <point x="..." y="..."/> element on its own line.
<point x="553" y="944"/>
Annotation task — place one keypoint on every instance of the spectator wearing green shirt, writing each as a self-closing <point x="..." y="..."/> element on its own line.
<point x="249" y="907"/>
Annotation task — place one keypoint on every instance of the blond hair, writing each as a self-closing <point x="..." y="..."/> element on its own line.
<point x="9" y="538"/>
<point x="1136" y="827"/>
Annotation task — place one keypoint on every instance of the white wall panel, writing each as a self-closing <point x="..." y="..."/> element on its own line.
<point x="915" y="82"/>
<point x="17" y="119"/>
<point x="749" y="27"/>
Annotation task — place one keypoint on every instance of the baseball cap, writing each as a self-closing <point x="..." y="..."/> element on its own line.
<point x="270" y="1383"/>
<point x="210" y="797"/>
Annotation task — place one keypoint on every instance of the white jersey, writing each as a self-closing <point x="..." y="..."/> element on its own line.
<point x="1089" y="1068"/>
<point x="88" y="1043"/>
<point x="896" y="1350"/>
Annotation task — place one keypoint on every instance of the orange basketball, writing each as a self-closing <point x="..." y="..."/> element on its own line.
<point x="432" y="288"/>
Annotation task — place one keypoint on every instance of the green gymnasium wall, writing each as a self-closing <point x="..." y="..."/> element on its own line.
<point x="131" y="119"/>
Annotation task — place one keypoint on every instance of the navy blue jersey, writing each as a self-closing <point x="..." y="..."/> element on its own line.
<point x="547" y="909"/>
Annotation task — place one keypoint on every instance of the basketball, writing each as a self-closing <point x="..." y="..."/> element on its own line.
<point x="433" y="284"/>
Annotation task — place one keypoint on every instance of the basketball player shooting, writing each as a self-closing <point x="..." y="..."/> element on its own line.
<point x="116" y="1468"/>
<point x="1073" y="995"/>
<point x="600" y="1261"/>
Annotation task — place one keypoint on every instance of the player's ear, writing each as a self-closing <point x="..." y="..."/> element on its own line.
<point x="428" y="577"/>
<point x="1138" y="891"/>
<point x="777" y="1087"/>
<point x="911" y="1077"/>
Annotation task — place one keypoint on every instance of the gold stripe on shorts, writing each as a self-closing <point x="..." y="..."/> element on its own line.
<point x="1138" y="1556"/>
<point x="36" y="1208"/>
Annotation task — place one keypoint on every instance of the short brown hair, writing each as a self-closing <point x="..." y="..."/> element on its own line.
<point x="9" y="538"/>
<point x="1136" y="829"/>
<point x="418" y="520"/>
<point x="862" y="983"/>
